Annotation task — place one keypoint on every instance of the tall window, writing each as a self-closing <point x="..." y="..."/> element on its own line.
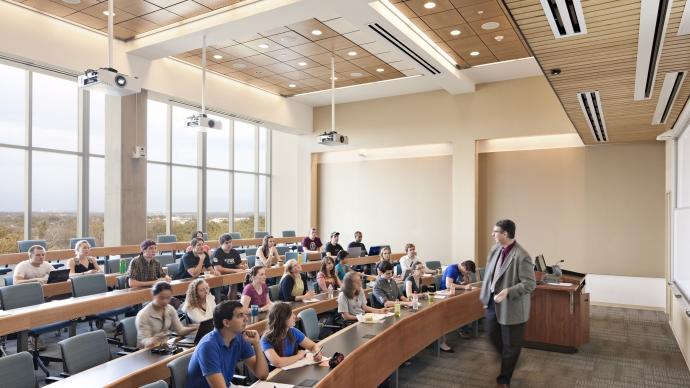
<point x="226" y="172"/>
<point x="49" y="156"/>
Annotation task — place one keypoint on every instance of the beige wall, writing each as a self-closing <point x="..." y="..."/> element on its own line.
<point x="390" y="201"/>
<point x="522" y="107"/>
<point x="600" y="208"/>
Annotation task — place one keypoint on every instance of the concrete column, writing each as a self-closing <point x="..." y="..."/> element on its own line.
<point x="125" y="176"/>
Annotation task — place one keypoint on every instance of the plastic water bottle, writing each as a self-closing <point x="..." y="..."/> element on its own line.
<point x="330" y="291"/>
<point x="123" y="266"/>
<point x="415" y="301"/>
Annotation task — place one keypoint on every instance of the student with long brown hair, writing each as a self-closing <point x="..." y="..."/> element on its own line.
<point x="256" y="292"/>
<point x="282" y="341"/>
<point x="268" y="253"/>
<point x="327" y="276"/>
<point x="352" y="302"/>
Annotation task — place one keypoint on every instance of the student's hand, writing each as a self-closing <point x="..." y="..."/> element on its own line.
<point x="309" y="294"/>
<point x="501" y="296"/>
<point x="194" y="326"/>
<point x="317" y="354"/>
<point x="251" y="336"/>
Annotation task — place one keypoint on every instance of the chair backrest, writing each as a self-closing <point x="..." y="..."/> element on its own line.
<point x="260" y="234"/>
<point x="90" y="284"/>
<point x="122" y="282"/>
<point x="84" y="351"/>
<point x="173" y="268"/>
<point x="9" y="280"/>
<point x="283" y="249"/>
<point x="2" y="282"/>
<point x="156" y="384"/>
<point x="21" y="295"/>
<point x="289" y="233"/>
<point x="437" y="282"/>
<point x="251" y="251"/>
<point x="166" y="238"/>
<point x="24" y="245"/>
<point x="373" y="302"/>
<point x="129" y="332"/>
<point x="75" y="240"/>
<point x="165" y="259"/>
<point x="433" y="264"/>
<point x="235" y="236"/>
<point x="251" y="261"/>
<point x="178" y="370"/>
<point x="113" y="264"/>
<point x="310" y="323"/>
<point x="482" y="271"/>
<point x="17" y="370"/>
<point x="274" y="292"/>
<point x="291" y="255"/>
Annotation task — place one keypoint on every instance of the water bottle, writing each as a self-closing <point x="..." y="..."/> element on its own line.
<point x="123" y="266"/>
<point x="330" y="291"/>
<point x="415" y="301"/>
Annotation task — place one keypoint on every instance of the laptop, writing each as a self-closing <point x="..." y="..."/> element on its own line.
<point x="354" y="252"/>
<point x="205" y="327"/>
<point x="58" y="275"/>
<point x="374" y="250"/>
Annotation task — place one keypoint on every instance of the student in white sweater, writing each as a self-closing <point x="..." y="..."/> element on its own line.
<point x="199" y="303"/>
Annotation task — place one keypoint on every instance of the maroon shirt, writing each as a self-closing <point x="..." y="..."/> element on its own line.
<point x="312" y="245"/>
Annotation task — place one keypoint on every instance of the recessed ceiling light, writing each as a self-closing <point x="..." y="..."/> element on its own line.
<point x="106" y="13"/>
<point x="292" y="86"/>
<point x="218" y="56"/>
<point x="498" y="38"/>
<point x="352" y="53"/>
<point x="71" y="1"/>
<point x="239" y="65"/>
<point x="302" y="63"/>
<point x="316" y="32"/>
<point x="263" y="46"/>
<point x="474" y="53"/>
<point x="429" y="5"/>
<point x="380" y="70"/>
<point x="355" y="74"/>
<point x="455" y="32"/>
<point x="480" y="12"/>
<point x="555" y="71"/>
<point x="288" y="39"/>
<point x="490" y="25"/>
<point x="334" y="78"/>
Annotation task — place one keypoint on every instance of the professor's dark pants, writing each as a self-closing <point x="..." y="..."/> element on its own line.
<point x="507" y="339"/>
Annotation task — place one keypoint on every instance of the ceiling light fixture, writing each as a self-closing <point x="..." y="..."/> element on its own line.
<point x="474" y="53"/>
<point x="380" y="70"/>
<point x="106" y="13"/>
<point x="334" y="78"/>
<point x="490" y="25"/>
<point x="429" y="5"/>
<point x="302" y="63"/>
<point x="455" y="32"/>
<point x="480" y="12"/>
<point x="263" y="46"/>
<point x="316" y="32"/>
<point x="352" y="53"/>
<point x="288" y="39"/>
<point x="292" y="86"/>
<point x="555" y="71"/>
<point x="71" y="1"/>
<point x="356" y="74"/>
<point x="217" y="56"/>
<point x="239" y="65"/>
<point x="498" y="38"/>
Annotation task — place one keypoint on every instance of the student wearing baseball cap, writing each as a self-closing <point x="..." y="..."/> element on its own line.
<point x="332" y="247"/>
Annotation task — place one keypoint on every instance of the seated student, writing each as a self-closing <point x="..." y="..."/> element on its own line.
<point x="144" y="270"/>
<point x="293" y="284"/>
<point x="194" y="262"/>
<point x="341" y="268"/>
<point x="281" y="342"/>
<point x="82" y="263"/>
<point x="35" y="269"/>
<point x="386" y="290"/>
<point x="217" y="354"/>
<point x="227" y="259"/>
<point x="327" y="275"/>
<point x="413" y="283"/>
<point x="358" y="243"/>
<point x="157" y="318"/>
<point x="312" y="243"/>
<point x="332" y="247"/>
<point x="458" y="276"/>
<point x="410" y="257"/>
<point x="351" y="301"/>
<point x="384" y="255"/>
<point x="199" y="303"/>
<point x="268" y="253"/>
<point x="256" y="292"/>
<point x="200" y="235"/>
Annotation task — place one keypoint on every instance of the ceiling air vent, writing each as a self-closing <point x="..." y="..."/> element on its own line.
<point x="669" y="92"/>
<point x="653" y="21"/>
<point x="385" y="34"/>
<point x="590" y="102"/>
<point x="565" y="17"/>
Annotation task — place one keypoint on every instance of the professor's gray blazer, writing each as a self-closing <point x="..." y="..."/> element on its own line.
<point x="517" y="275"/>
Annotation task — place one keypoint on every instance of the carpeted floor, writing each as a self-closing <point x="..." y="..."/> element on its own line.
<point x="627" y="348"/>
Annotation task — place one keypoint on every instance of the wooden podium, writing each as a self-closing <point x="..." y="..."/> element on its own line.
<point x="559" y="315"/>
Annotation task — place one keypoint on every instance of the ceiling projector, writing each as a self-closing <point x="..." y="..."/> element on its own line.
<point x="203" y="121"/>
<point x="332" y="138"/>
<point x="109" y="81"/>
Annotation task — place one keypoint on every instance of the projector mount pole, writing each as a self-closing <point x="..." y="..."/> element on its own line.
<point x="203" y="76"/>
<point x="110" y="33"/>
<point x="332" y="94"/>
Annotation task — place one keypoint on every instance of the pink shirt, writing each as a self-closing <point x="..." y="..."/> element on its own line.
<point x="254" y="296"/>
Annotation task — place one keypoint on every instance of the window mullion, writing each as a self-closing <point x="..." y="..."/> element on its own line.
<point x="28" y="156"/>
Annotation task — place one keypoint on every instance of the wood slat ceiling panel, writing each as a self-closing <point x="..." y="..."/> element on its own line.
<point x="293" y="60"/>
<point x="604" y="59"/>
<point x="456" y="26"/>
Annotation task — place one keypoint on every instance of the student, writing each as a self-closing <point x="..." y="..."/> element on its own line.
<point x="410" y="257"/>
<point x="332" y="247"/>
<point x="282" y="341"/>
<point x="195" y="261"/>
<point x="199" y="303"/>
<point x="312" y="243"/>
<point x="413" y="283"/>
<point x="268" y="253"/>
<point x="352" y="302"/>
<point x="293" y="284"/>
<point x="157" y="318"/>
<point x="341" y="268"/>
<point x="386" y="290"/>
<point x="256" y="292"/>
<point x="144" y="270"/>
<point x="200" y="235"/>
<point x="327" y="275"/>
<point x="384" y="255"/>
<point x="215" y="357"/>
<point x="358" y="243"/>
<point x="227" y="260"/>
<point x="35" y="269"/>
<point x="458" y="276"/>
<point x="82" y="263"/>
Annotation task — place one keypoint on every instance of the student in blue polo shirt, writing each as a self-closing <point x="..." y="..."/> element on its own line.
<point x="214" y="359"/>
<point x="282" y="341"/>
<point x="459" y="276"/>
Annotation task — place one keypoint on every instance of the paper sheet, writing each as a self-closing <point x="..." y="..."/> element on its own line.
<point x="308" y="360"/>
<point x="442" y="296"/>
<point x="267" y="384"/>
<point x="312" y="300"/>
<point x="373" y="317"/>
<point x="561" y="284"/>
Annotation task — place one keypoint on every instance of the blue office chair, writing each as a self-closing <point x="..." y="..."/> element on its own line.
<point x="251" y="251"/>
<point x="235" y="236"/>
<point x="92" y="284"/>
<point x="251" y="261"/>
<point x="84" y="351"/>
<point x="166" y="238"/>
<point x="289" y="233"/>
<point x="16" y="370"/>
<point x="168" y="259"/>
<point x="24" y="245"/>
<point x="73" y="241"/>
<point x="283" y="249"/>
<point x="260" y="234"/>
<point x="433" y="265"/>
<point x="178" y="371"/>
